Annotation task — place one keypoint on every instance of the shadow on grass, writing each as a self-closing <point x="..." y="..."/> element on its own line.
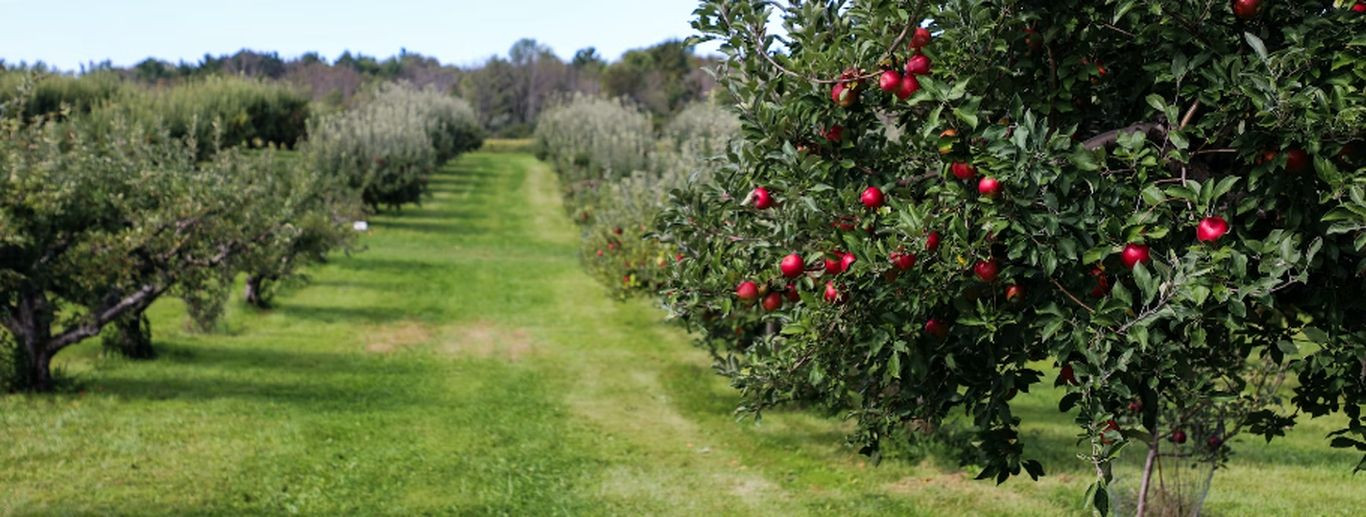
<point x="335" y="314"/>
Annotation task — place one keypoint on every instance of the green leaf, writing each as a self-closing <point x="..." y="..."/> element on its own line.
<point x="1257" y="45"/>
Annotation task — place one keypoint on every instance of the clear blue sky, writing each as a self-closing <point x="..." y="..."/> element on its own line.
<point x="69" y="33"/>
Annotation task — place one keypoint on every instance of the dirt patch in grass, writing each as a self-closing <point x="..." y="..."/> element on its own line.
<point x="488" y="340"/>
<point x="386" y="339"/>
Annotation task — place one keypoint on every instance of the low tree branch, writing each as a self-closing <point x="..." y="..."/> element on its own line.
<point x="1108" y="138"/>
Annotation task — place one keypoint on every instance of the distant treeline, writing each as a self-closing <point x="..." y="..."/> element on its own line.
<point x="507" y="92"/>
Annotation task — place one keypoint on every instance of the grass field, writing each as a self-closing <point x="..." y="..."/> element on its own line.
<point x="463" y="363"/>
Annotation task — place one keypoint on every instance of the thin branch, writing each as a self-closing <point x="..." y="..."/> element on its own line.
<point x="1108" y="138"/>
<point x="1190" y="114"/>
<point x="1071" y="296"/>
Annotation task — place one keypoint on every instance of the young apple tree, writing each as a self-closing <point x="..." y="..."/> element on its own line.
<point x="1162" y="200"/>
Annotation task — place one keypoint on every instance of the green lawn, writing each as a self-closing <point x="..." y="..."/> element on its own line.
<point x="462" y="363"/>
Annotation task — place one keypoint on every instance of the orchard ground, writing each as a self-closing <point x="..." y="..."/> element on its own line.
<point x="464" y="363"/>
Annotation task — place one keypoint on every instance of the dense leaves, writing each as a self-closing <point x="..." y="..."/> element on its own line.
<point x="616" y="174"/>
<point x="1102" y="126"/>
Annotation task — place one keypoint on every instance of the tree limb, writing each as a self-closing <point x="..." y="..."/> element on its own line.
<point x="1108" y="138"/>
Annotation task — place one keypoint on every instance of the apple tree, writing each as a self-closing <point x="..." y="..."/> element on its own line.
<point x="1161" y="201"/>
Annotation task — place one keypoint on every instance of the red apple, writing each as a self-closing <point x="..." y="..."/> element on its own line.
<point x="847" y="261"/>
<point x="747" y="291"/>
<point x="832" y="265"/>
<point x="1110" y="426"/>
<point x="1014" y="292"/>
<point x="871" y="197"/>
<point x="1136" y="406"/>
<point x="599" y="253"/>
<point x="1211" y="229"/>
<point x="832" y="293"/>
<point x="773" y="301"/>
<point x="989" y="187"/>
<point x="1296" y="160"/>
<point x="617" y="230"/>
<point x="920" y="39"/>
<point x="792" y="265"/>
<point x="1214" y="441"/>
<point x="936" y="328"/>
<point x="845" y="95"/>
<point x="932" y="241"/>
<point x="902" y="260"/>
<point x="1032" y="39"/>
<point x="1246" y="9"/>
<point x="1178" y="436"/>
<point x="889" y="81"/>
<point x="986" y="270"/>
<point x="919" y="64"/>
<point x="1068" y="376"/>
<point x="909" y="85"/>
<point x="762" y="199"/>
<point x="1133" y="254"/>
<point x="792" y="294"/>
<point x="963" y="170"/>
<point x="834" y="133"/>
<point x="1360" y="7"/>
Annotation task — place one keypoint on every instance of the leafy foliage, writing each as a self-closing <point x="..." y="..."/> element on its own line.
<point x="387" y="147"/>
<point x="616" y="176"/>
<point x="1106" y="125"/>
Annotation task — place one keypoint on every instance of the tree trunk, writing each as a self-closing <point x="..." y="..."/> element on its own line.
<point x="132" y="337"/>
<point x="1146" y="480"/>
<point x="39" y="369"/>
<point x="254" y="295"/>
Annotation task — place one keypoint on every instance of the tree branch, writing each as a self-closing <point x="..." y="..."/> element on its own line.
<point x="139" y="299"/>
<point x="1108" y="138"/>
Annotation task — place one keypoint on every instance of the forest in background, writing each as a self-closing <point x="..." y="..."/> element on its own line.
<point x="508" y="92"/>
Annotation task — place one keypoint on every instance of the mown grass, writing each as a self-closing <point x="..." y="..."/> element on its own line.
<point x="463" y="363"/>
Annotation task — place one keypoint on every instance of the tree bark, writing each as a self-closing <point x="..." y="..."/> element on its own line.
<point x="253" y="293"/>
<point x="1146" y="480"/>
<point x="132" y="337"/>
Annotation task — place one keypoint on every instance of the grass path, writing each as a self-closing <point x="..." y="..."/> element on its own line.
<point x="463" y="363"/>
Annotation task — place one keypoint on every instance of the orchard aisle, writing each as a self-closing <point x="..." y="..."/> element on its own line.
<point x="464" y="363"/>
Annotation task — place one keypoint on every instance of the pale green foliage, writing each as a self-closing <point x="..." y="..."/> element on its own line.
<point x="618" y="176"/>
<point x="386" y="147"/>
<point x="590" y="138"/>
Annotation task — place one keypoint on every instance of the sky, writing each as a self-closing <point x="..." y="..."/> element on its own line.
<point x="70" y="33"/>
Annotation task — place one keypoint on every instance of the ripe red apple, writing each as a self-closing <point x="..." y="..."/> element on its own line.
<point x="762" y="199"/>
<point x="1211" y="229"/>
<point x="617" y="230"/>
<point x="1136" y="406"/>
<point x="909" y="85"/>
<point x="773" y="301"/>
<point x="1110" y="426"/>
<point x="920" y="39"/>
<point x="747" y="291"/>
<point x="963" y="170"/>
<point x="845" y="95"/>
<point x="847" y="261"/>
<point x="1178" y="436"/>
<point x="599" y="253"/>
<point x="792" y="294"/>
<point x="834" y="133"/>
<point x="832" y="293"/>
<point x="1296" y="160"/>
<point x="678" y="257"/>
<point x="792" y="265"/>
<point x="1214" y="441"/>
<point x="1067" y="375"/>
<point x="932" y="241"/>
<point x="1032" y="39"/>
<point x="889" y="81"/>
<point x="986" y="270"/>
<point x="1135" y="253"/>
<point x="936" y="328"/>
<point x="918" y="64"/>
<point x="1360" y="7"/>
<point x="832" y="264"/>
<point x="1246" y="9"/>
<point x="1014" y="293"/>
<point x="871" y="197"/>
<point x="989" y="187"/>
<point x="903" y="260"/>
